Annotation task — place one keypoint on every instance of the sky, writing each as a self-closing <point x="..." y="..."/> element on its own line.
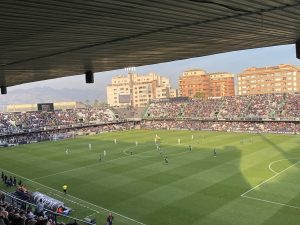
<point x="233" y="62"/>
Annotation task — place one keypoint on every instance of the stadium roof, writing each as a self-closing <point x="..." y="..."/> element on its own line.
<point x="49" y="39"/>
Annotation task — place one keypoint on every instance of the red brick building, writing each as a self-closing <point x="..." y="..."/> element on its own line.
<point x="198" y="82"/>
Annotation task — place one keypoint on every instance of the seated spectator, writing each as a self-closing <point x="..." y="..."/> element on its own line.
<point x="29" y="213"/>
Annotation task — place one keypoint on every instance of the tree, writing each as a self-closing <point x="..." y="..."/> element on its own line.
<point x="96" y="103"/>
<point x="199" y="95"/>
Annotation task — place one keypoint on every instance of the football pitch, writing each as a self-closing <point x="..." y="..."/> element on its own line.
<point x="253" y="180"/>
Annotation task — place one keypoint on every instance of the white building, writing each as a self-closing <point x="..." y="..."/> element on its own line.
<point x="136" y="90"/>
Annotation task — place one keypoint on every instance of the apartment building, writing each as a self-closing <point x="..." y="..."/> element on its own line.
<point x="221" y="84"/>
<point x="283" y="78"/>
<point x="137" y="90"/>
<point x="198" y="82"/>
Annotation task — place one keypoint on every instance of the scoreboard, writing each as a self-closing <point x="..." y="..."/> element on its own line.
<point x="47" y="107"/>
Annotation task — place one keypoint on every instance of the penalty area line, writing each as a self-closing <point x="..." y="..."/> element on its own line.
<point x="272" y="177"/>
<point x="50" y="188"/>
<point x="265" y="181"/>
<point x="270" y="165"/>
<point x="272" y="202"/>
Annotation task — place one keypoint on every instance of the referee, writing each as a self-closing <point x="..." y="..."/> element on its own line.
<point x="65" y="187"/>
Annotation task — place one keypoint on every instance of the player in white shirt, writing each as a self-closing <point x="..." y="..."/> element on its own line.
<point x="157" y="147"/>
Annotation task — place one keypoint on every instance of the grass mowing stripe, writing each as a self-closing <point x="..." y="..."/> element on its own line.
<point x="87" y="166"/>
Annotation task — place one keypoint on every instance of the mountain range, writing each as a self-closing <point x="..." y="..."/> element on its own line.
<point x="48" y="94"/>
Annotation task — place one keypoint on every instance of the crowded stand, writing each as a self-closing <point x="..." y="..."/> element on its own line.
<point x="265" y="106"/>
<point x="228" y="126"/>
<point x="165" y="110"/>
<point x="292" y="107"/>
<point x="12" y="123"/>
<point x="268" y="106"/>
<point x="201" y="109"/>
<point x="269" y="113"/>
<point x="62" y="133"/>
<point x="233" y="107"/>
<point x="10" y="215"/>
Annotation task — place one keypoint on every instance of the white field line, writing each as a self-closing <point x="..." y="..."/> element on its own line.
<point x="90" y="215"/>
<point x="272" y="202"/>
<point x="95" y="211"/>
<point x="270" y="165"/>
<point x="99" y="207"/>
<point x="277" y="174"/>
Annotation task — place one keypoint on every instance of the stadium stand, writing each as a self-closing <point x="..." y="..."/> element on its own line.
<point x="128" y="113"/>
<point x="62" y="133"/>
<point x="268" y="106"/>
<point x="276" y="113"/>
<point x="291" y="109"/>
<point x="35" y="126"/>
<point x="12" y="123"/>
<point x="229" y="126"/>
<point x="272" y="113"/>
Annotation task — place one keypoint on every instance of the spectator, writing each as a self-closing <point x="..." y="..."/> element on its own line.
<point x="110" y="219"/>
<point x="29" y="214"/>
<point x="40" y="208"/>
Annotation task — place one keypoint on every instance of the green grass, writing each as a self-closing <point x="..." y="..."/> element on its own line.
<point x="194" y="188"/>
